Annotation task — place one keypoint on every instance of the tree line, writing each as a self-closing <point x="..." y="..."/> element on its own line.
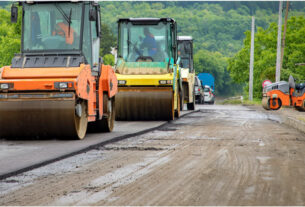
<point x="220" y="31"/>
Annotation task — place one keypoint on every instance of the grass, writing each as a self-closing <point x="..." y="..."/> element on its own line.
<point x="231" y="102"/>
<point x="255" y="102"/>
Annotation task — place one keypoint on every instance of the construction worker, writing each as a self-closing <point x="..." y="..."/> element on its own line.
<point x="149" y="42"/>
<point x="63" y="30"/>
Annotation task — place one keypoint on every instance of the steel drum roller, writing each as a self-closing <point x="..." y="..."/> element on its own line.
<point x="144" y="104"/>
<point x="37" y="118"/>
<point x="265" y="103"/>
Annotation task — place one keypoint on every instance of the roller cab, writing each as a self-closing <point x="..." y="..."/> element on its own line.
<point x="57" y="85"/>
<point x="147" y="69"/>
<point x="185" y="52"/>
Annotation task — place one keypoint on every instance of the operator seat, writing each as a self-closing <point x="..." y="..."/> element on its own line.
<point x="300" y="86"/>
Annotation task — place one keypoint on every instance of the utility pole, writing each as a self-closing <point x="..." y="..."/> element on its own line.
<point x="284" y="34"/>
<point x="251" y="61"/>
<point x="278" y="55"/>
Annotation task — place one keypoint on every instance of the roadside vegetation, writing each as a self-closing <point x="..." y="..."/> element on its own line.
<point x="239" y="101"/>
<point x="265" y="55"/>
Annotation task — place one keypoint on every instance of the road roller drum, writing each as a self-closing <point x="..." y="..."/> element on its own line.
<point x="144" y="104"/>
<point x="42" y="118"/>
<point x="265" y="103"/>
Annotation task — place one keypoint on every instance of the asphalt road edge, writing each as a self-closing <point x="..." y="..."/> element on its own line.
<point x="295" y="123"/>
<point x="287" y="120"/>
<point x="88" y="148"/>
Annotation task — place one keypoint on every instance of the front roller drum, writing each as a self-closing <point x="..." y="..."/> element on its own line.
<point x="144" y="104"/>
<point x="265" y="103"/>
<point x="43" y="118"/>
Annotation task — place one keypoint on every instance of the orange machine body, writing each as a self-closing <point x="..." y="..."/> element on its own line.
<point x="79" y="80"/>
<point x="277" y="99"/>
<point x="297" y="100"/>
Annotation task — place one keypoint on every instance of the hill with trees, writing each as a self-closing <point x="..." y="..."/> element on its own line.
<point x="218" y="28"/>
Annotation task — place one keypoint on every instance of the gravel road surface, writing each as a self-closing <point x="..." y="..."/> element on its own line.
<point x="222" y="155"/>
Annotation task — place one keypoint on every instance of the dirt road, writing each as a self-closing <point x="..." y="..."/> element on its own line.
<point x="222" y="155"/>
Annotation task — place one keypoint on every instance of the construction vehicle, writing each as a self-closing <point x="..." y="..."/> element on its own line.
<point x="57" y="85"/>
<point x="185" y="52"/>
<point x="284" y="93"/>
<point x="207" y="79"/>
<point x="147" y="69"/>
<point x="199" y="91"/>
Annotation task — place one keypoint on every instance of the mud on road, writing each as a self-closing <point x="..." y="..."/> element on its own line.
<point x="222" y="155"/>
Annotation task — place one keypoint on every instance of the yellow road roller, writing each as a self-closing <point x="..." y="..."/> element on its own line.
<point x="185" y="52"/>
<point x="147" y="69"/>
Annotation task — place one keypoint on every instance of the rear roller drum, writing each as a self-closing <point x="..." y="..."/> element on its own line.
<point x="301" y="108"/>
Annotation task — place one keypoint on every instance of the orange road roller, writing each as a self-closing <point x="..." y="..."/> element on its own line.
<point x="284" y="93"/>
<point x="57" y="85"/>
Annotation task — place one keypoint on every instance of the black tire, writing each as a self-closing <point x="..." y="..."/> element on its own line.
<point x="177" y="112"/>
<point x="191" y="106"/>
<point x="106" y="124"/>
<point x="201" y="100"/>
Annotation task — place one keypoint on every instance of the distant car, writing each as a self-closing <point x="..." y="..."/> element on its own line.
<point x="208" y="95"/>
<point x="199" y="95"/>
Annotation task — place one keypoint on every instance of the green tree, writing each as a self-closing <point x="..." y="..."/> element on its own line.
<point x="108" y="59"/>
<point x="10" y="35"/>
<point x="265" y="55"/>
<point x="216" y="64"/>
<point x="108" y="40"/>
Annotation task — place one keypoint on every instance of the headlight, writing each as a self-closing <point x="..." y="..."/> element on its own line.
<point x="4" y="86"/>
<point x="63" y="85"/>
<point x="121" y="82"/>
<point x="165" y="82"/>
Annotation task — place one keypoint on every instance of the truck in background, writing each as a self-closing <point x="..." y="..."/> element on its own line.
<point x="207" y="80"/>
<point x="208" y="83"/>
